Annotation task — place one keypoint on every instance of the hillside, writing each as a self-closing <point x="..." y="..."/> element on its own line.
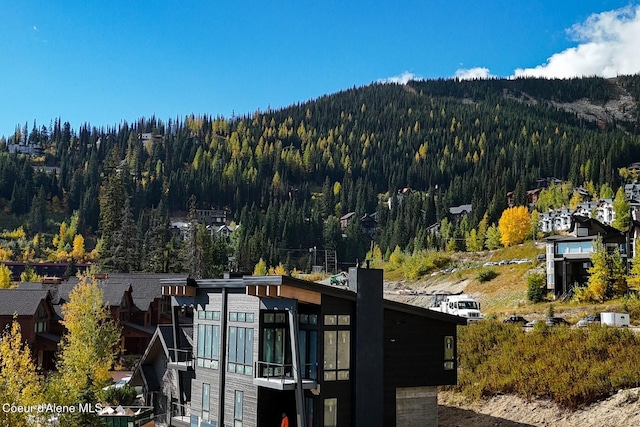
<point x="288" y="176"/>
<point x="500" y="297"/>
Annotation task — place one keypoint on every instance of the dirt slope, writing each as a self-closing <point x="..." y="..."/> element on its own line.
<point x="620" y="410"/>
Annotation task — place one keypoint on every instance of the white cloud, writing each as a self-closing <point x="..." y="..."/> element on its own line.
<point x="608" y="45"/>
<point x="473" y="73"/>
<point x="402" y="79"/>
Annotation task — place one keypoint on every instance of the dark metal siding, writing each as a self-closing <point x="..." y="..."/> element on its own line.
<point x="413" y="356"/>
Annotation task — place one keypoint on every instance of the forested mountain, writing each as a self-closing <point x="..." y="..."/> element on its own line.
<point x="287" y="176"/>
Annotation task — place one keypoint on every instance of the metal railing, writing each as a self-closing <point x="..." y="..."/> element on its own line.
<point x="180" y="413"/>
<point x="180" y="355"/>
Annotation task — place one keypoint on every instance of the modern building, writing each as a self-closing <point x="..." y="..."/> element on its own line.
<point x="568" y="257"/>
<point x="324" y="355"/>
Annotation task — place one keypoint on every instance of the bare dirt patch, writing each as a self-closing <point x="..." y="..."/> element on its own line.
<point x="621" y="409"/>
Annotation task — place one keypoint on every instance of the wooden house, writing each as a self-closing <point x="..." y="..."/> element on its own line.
<point x="34" y="312"/>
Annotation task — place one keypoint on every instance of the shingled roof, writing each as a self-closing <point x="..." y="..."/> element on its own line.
<point x="145" y="287"/>
<point x="21" y="302"/>
<point x="112" y="293"/>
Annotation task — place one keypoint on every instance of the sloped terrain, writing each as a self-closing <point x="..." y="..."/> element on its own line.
<point x="622" y="409"/>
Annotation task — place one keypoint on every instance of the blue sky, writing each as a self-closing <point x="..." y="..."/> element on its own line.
<point x="108" y="62"/>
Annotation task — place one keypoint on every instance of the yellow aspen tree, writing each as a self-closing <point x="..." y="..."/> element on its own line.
<point x="634" y="275"/>
<point x="5" y="276"/>
<point x="260" y="269"/>
<point x="280" y="270"/>
<point x="88" y="348"/>
<point x="19" y="382"/>
<point x="514" y="225"/>
<point x="599" y="272"/>
<point x="78" y="247"/>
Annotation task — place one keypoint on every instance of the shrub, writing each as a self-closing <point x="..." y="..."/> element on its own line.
<point x="423" y="262"/>
<point x="486" y="275"/>
<point x="551" y="311"/>
<point x="536" y="287"/>
<point x="547" y="366"/>
<point x="125" y="395"/>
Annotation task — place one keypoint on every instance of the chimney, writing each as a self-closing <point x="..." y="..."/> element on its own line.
<point x="368" y="362"/>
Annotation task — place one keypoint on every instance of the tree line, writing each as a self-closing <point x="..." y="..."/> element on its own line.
<point x="287" y="176"/>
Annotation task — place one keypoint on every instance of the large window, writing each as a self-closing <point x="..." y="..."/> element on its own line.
<point x="337" y="348"/>
<point x="240" y="350"/>
<point x="276" y="351"/>
<point x="205" y="401"/>
<point x="238" y="409"/>
<point x="574" y="247"/>
<point x="208" y="346"/>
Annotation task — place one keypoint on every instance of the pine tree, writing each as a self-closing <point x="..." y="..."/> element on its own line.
<point x="112" y="199"/>
<point x="125" y="243"/>
<point x="37" y="218"/>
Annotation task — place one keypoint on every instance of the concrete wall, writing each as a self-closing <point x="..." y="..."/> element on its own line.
<point x="417" y="407"/>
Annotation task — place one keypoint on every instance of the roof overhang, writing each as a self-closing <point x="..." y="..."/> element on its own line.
<point x="285" y="291"/>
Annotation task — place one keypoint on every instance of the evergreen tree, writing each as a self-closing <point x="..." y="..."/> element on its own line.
<point x="112" y="199"/>
<point x="125" y="243"/>
<point x="37" y="214"/>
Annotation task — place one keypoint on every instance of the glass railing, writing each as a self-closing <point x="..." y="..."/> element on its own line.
<point x="284" y="371"/>
<point x="181" y="356"/>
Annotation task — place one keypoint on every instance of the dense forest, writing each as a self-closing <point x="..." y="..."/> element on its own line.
<point x="287" y="176"/>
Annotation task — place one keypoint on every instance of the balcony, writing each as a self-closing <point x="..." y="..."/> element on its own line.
<point x="181" y="360"/>
<point x="180" y="415"/>
<point x="279" y="376"/>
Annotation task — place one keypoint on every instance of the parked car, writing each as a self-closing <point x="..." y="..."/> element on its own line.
<point x="515" y="319"/>
<point x="550" y="321"/>
<point x="532" y="323"/>
<point x="555" y="321"/>
<point x="119" y="384"/>
<point x="589" y="320"/>
<point x="339" y="279"/>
